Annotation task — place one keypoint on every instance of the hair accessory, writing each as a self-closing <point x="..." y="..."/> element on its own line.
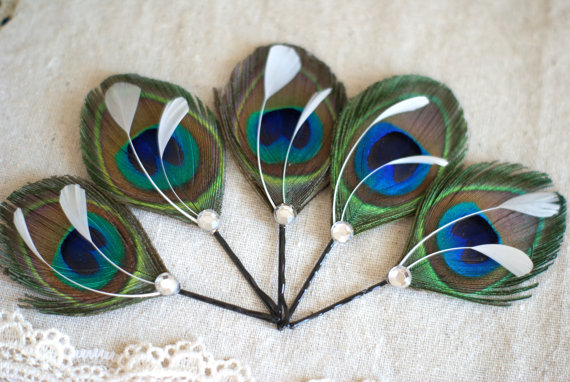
<point x="392" y="141"/>
<point x="82" y="252"/>
<point x="479" y="233"/>
<point x="278" y="113"/>
<point x="153" y="145"/>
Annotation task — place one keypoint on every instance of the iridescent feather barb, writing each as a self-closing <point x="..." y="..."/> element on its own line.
<point x="278" y="114"/>
<point x="391" y="142"/>
<point x="153" y="145"/>
<point x="480" y="234"/>
<point x="81" y="252"/>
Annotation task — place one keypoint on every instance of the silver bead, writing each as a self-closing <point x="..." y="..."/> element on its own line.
<point x="284" y="214"/>
<point x="341" y="232"/>
<point x="400" y="277"/>
<point x="208" y="220"/>
<point x="166" y="284"/>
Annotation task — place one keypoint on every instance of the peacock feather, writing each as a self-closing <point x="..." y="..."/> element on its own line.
<point x="485" y="204"/>
<point x="391" y="142"/>
<point x="278" y="114"/>
<point x="79" y="251"/>
<point x="153" y="145"/>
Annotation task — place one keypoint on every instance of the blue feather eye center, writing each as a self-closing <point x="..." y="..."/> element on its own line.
<point x="76" y="252"/>
<point x="181" y="159"/>
<point x="277" y="128"/>
<point x="472" y="231"/>
<point x="146" y="146"/>
<point x="77" y="259"/>
<point x="383" y="143"/>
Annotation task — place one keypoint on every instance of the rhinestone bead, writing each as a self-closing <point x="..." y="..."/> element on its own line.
<point x="166" y="284"/>
<point x="400" y="277"/>
<point x="208" y="220"/>
<point x="284" y="214"/>
<point x="341" y="232"/>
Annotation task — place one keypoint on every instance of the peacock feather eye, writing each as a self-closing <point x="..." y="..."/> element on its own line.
<point x="193" y="156"/>
<point x="422" y="118"/>
<point x="470" y="207"/>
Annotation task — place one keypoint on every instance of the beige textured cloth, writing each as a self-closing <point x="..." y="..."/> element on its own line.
<point x="508" y="64"/>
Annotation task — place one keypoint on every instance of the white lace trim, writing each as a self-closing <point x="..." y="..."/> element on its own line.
<point x="27" y="354"/>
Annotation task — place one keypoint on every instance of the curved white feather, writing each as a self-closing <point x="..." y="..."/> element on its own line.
<point x="311" y="106"/>
<point x="282" y="65"/>
<point x="404" y="106"/>
<point x="74" y="205"/>
<point x="174" y="111"/>
<point x="513" y="259"/>
<point x="22" y="228"/>
<point x="419" y="159"/>
<point x="538" y="204"/>
<point x="414" y="159"/>
<point x="122" y="100"/>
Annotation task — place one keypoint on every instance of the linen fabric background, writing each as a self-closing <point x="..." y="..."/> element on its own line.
<point x="506" y="61"/>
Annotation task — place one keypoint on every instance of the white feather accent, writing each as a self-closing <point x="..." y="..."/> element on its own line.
<point x="282" y="65"/>
<point x="404" y="106"/>
<point x="539" y="204"/>
<point x="419" y="159"/>
<point x="122" y="100"/>
<point x="414" y="159"/>
<point x="311" y="106"/>
<point x="74" y="204"/>
<point x="514" y="260"/>
<point x="22" y="228"/>
<point x="174" y="111"/>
